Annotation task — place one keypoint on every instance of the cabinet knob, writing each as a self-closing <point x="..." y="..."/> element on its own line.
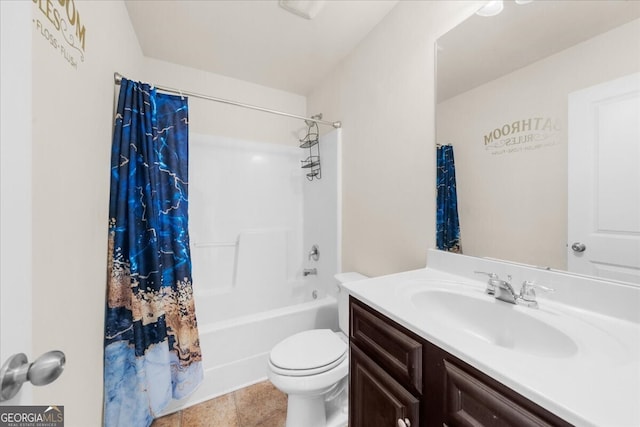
<point x="404" y="423"/>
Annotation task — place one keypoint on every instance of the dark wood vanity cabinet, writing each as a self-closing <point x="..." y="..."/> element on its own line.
<point x="385" y="371"/>
<point x="395" y="374"/>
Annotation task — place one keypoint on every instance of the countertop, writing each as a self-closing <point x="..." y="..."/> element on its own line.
<point x="598" y="385"/>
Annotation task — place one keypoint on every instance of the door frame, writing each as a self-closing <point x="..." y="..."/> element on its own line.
<point x="15" y="185"/>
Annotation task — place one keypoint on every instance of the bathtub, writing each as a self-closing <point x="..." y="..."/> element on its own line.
<point x="235" y="351"/>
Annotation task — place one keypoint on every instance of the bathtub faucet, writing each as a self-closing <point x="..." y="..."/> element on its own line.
<point x="308" y="271"/>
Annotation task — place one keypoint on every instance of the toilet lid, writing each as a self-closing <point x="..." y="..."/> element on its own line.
<point x="309" y="352"/>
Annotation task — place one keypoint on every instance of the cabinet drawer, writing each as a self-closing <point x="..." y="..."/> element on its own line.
<point x="471" y="402"/>
<point x="387" y="344"/>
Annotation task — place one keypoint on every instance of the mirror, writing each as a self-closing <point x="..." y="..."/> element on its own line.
<point x="503" y="89"/>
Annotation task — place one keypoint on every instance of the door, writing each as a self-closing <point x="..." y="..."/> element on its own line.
<point x="15" y="181"/>
<point x="604" y="180"/>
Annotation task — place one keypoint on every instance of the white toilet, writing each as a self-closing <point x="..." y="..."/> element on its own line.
<point x="312" y="368"/>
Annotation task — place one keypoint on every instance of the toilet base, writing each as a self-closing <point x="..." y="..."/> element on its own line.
<point x="306" y="411"/>
<point x="339" y="419"/>
<point x="310" y="411"/>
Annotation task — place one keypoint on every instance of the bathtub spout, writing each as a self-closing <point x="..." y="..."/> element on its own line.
<point x="308" y="271"/>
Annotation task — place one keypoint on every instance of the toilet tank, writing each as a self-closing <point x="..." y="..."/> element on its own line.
<point x="343" y="298"/>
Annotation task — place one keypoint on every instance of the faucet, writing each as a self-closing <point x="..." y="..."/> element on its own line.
<point x="308" y="271"/>
<point x="502" y="290"/>
<point x="505" y="292"/>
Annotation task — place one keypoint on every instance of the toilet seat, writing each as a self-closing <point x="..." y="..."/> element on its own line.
<point x="308" y="353"/>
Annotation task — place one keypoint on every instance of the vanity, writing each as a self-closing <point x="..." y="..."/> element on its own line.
<point x="431" y="348"/>
<point x="395" y="373"/>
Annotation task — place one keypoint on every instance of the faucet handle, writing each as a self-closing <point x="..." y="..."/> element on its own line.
<point x="528" y="293"/>
<point x="494" y="281"/>
<point x="314" y="253"/>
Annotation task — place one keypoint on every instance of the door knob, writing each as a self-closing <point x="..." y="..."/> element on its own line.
<point x="578" y="247"/>
<point x="404" y="423"/>
<point x="17" y="370"/>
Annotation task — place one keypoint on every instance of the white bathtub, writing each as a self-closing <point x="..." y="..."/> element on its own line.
<point x="235" y="351"/>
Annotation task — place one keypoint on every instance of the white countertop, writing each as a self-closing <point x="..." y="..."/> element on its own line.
<point x="598" y="385"/>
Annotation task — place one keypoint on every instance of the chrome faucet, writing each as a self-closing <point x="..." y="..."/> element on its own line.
<point x="502" y="290"/>
<point x="309" y="271"/>
<point x="505" y="292"/>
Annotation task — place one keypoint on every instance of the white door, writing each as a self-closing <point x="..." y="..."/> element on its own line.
<point x="604" y="180"/>
<point x="15" y="180"/>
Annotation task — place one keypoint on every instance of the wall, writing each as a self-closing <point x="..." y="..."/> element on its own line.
<point x="518" y="192"/>
<point x="384" y="94"/>
<point x="212" y="118"/>
<point x="246" y="226"/>
<point x="322" y="210"/>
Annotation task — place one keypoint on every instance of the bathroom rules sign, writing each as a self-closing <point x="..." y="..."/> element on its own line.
<point x="522" y="135"/>
<point x="59" y="23"/>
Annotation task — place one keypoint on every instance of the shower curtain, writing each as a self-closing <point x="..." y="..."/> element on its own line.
<point x="447" y="222"/>
<point x="151" y="345"/>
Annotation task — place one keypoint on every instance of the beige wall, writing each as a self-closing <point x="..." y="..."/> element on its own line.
<point x="513" y="205"/>
<point x="384" y="94"/>
<point x="225" y="120"/>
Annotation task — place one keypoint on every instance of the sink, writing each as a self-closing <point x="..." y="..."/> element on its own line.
<point x="495" y="322"/>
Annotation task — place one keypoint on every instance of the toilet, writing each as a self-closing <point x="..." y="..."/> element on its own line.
<point x="312" y="368"/>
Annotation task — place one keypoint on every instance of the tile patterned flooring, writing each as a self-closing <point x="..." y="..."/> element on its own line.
<point x="259" y="405"/>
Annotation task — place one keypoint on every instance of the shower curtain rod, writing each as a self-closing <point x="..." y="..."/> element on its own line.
<point x="118" y="79"/>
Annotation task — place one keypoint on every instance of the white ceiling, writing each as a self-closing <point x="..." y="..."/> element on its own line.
<point x="255" y="40"/>
<point x="482" y="49"/>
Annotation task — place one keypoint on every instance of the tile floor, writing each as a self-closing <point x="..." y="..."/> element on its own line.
<point x="259" y="405"/>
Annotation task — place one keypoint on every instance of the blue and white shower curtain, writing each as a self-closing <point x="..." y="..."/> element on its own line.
<point x="447" y="221"/>
<point x="151" y="345"/>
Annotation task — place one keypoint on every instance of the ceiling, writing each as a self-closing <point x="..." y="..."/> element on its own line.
<point x="474" y="52"/>
<point x="255" y="40"/>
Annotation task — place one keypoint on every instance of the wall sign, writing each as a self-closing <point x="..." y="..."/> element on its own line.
<point x="523" y="135"/>
<point x="58" y="21"/>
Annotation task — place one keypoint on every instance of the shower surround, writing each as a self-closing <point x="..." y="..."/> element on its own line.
<point x="253" y="219"/>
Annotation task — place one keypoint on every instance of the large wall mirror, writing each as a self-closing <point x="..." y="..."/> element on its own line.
<point x="542" y="106"/>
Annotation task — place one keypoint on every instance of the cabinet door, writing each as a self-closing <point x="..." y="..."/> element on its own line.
<point x="377" y="400"/>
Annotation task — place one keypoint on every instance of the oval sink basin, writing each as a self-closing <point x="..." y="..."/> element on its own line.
<point x="494" y="322"/>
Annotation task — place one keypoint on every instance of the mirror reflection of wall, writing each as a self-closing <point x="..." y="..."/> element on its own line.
<point x="509" y="127"/>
